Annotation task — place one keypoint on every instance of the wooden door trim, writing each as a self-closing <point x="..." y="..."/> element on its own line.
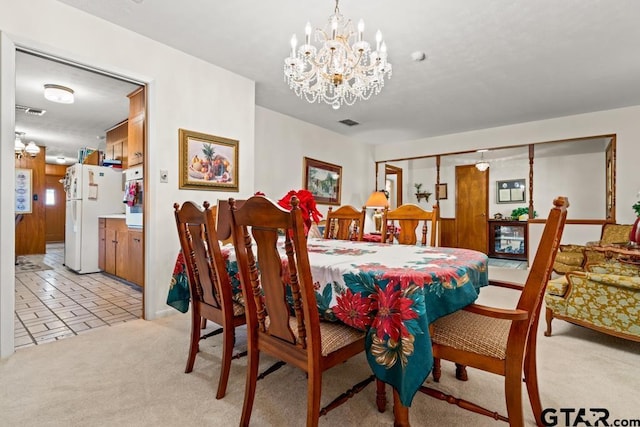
<point x="397" y="171"/>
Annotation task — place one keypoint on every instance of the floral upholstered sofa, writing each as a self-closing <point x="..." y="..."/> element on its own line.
<point x="575" y="257"/>
<point x="606" y="298"/>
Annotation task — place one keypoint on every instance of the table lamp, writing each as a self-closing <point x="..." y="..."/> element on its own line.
<point x="377" y="200"/>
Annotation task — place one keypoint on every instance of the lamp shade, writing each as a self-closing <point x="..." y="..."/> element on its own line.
<point x="377" y="199"/>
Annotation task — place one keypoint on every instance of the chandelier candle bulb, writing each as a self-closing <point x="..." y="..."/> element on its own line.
<point x="360" y="30"/>
<point x="294" y="43"/>
<point x="307" y="33"/>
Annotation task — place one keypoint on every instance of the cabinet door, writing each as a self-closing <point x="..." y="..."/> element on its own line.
<point x="135" y="140"/>
<point x="122" y="253"/>
<point x="102" y="245"/>
<point x="111" y="243"/>
<point x="136" y="257"/>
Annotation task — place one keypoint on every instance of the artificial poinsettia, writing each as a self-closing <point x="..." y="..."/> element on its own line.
<point x="307" y="206"/>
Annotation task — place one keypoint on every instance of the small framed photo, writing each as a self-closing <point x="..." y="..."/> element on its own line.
<point x="441" y="191"/>
<point x="208" y="162"/>
<point x="511" y="191"/>
<point x="323" y="180"/>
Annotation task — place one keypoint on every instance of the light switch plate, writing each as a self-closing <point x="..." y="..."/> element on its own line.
<point x="164" y="175"/>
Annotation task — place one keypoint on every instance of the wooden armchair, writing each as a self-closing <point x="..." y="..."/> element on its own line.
<point x="291" y="331"/>
<point x="408" y="217"/>
<point x="502" y="341"/>
<point x="209" y="285"/>
<point x="345" y="223"/>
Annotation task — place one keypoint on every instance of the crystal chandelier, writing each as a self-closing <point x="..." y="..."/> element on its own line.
<point x="342" y="70"/>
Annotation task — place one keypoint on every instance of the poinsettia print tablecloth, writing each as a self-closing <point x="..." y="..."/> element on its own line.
<point x="391" y="291"/>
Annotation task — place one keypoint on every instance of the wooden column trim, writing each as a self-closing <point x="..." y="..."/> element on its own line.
<point x="531" y="156"/>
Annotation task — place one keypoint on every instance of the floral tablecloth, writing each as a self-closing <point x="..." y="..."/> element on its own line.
<point x="391" y="291"/>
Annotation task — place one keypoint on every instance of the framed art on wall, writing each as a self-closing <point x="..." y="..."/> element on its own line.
<point x="208" y="162"/>
<point x="323" y="180"/>
<point x="510" y="191"/>
<point x="23" y="191"/>
<point x="441" y="191"/>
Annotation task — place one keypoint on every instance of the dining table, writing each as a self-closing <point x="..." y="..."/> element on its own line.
<point x="391" y="291"/>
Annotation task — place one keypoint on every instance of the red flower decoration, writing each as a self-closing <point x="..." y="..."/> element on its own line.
<point x="393" y="310"/>
<point x="353" y="310"/>
<point x="179" y="266"/>
<point x="307" y="206"/>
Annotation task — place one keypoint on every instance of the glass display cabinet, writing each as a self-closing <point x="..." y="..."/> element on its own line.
<point x="508" y="239"/>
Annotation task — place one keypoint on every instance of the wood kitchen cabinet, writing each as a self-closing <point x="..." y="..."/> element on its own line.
<point x="120" y="250"/>
<point x="117" y="141"/>
<point x="116" y="235"/>
<point x="136" y="125"/>
<point x="136" y="257"/>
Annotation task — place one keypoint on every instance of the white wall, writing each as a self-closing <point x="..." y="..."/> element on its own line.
<point x="623" y="122"/>
<point x="281" y="144"/>
<point x="184" y="92"/>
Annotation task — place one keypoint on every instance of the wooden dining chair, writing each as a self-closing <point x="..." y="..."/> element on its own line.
<point x="345" y="223"/>
<point x="282" y="316"/>
<point x="406" y="219"/>
<point x="502" y="341"/>
<point x="209" y="284"/>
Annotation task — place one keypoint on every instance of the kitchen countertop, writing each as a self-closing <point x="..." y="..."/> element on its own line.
<point x="114" y="215"/>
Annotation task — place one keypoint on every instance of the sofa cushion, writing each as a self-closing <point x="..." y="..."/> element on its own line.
<point x="558" y="286"/>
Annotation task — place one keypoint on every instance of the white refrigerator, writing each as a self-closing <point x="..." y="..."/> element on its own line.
<point x="91" y="191"/>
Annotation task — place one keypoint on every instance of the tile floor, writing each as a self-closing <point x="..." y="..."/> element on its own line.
<point x="58" y="303"/>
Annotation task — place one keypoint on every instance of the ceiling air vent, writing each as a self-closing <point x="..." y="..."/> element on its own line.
<point x="349" y="122"/>
<point x="30" y="110"/>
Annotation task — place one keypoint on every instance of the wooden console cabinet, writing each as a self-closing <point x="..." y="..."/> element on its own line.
<point x="508" y="239"/>
<point x="120" y="250"/>
<point x="135" y="143"/>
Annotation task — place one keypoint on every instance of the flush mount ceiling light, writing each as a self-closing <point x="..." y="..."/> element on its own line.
<point x="342" y="70"/>
<point x="482" y="165"/>
<point x="57" y="93"/>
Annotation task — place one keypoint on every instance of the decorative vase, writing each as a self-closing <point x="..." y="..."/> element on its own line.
<point x="634" y="235"/>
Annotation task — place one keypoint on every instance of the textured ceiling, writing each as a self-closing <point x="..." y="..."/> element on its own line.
<point x="490" y="62"/>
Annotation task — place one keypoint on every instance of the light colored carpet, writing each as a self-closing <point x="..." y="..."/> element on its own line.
<point x="132" y="374"/>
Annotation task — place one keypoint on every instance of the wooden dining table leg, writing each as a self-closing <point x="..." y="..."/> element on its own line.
<point x="400" y="412"/>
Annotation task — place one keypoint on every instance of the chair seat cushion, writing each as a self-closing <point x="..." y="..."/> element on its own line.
<point x="334" y="336"/>
<point x="473" y="332"/>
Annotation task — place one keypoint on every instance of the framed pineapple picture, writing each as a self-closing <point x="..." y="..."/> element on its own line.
<point x="208" y="162"/>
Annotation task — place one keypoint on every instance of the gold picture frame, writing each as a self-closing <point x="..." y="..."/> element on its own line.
<point x="441" y="191"/>
<point x="208" y="162"/>
<point x="323" y="180"/>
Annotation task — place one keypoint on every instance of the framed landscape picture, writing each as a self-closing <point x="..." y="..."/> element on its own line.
<point x="208" y="162"/>
<point x="323" y="180"/>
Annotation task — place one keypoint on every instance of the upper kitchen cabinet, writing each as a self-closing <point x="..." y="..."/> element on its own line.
<point x="136" y="124"/>
<point x="116" y="141"/>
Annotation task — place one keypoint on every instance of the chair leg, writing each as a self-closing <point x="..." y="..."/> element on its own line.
<point x="381" y="395"/>
<point x="194" y="346"/>
<point x="253" y="357"/>
<point x="548" y="317"/>
<point x="531" y="375"/>
<point x="228" y="339"/>
<point x="461" y="372"/>
<point x="513" y="393"/>
<point x="437" y="370"/>
<point x="314" y="391"/>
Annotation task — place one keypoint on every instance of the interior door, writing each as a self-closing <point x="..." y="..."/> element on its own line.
<point x="472" y="206"/>
<point x="54" y="209"/>
<point x="393" y="184"/>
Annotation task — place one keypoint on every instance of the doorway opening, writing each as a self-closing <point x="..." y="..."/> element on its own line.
<point x="77" y="134"/>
